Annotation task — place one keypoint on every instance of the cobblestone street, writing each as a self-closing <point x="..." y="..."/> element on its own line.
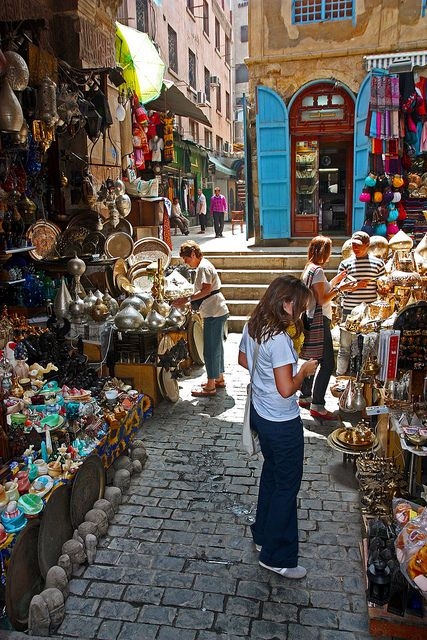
<point x="178" y="560"/>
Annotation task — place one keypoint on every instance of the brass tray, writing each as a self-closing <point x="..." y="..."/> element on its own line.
<point x="88" y="487"/>
<point x="195" y="339"/>
<point x="94" y="243"/>
<point x="88" y="219"/>
<point x="72" y="240"/>
<point x="43" y="235"/>
<point x="55" y="528"/>
<point x="344" y="446"/>
<point x="151" y="249"/>
<point x="341" y="437"/>
<point x="119" y="245"/>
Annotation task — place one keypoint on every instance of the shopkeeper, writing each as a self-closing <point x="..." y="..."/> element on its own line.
<point x="365" y="269"/>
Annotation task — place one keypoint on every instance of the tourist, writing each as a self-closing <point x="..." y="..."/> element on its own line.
<point x="218" y="208"/>
<point x="318" y="254"/>
<point x="214" y="311"/>
<point x="201" y="210"/>
<point x="275" y="416"/>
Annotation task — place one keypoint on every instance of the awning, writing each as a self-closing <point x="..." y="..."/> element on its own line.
<point x="143" y="68"/>
<point x="221" y="168"/>
<point x="384" y="60"/>
<point x="172" y="99"/>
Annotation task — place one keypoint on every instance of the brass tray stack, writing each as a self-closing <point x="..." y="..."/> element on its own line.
<point x="346" y="441"/>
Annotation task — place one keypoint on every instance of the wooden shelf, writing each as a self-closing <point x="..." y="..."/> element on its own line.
<point x="19" y="250"/>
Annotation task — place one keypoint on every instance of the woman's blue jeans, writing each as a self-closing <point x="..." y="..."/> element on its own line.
<point x="276" y="526"/>
<point x="213" y="345"/>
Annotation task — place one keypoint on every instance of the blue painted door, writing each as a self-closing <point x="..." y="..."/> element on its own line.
<point x="272" y="129"/>
<point x="361" y="152"/>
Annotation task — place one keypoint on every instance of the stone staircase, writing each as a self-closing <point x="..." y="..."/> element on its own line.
<point x="246" y="276"/>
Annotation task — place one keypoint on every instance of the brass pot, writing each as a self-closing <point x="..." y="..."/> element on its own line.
<point x="128" y="319"/>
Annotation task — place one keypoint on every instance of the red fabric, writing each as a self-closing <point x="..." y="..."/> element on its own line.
<point x="167" y="229"/>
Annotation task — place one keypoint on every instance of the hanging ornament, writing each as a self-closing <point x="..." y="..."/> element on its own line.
<point x="11" y="116"/>
<point x="17" y="72"/>
<point x="47" y="102"/>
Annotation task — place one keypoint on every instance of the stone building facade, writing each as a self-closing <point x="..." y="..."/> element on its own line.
<point x="319" y="54"/>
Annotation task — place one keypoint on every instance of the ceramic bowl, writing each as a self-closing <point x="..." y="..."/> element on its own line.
<point x="54" y="470"/>
<point x="31" y="504"/>
<point x="111" y="394"/>
<point x="12" y="492"/>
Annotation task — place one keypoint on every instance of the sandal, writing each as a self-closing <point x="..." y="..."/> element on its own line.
<point x="219" y="384"/>
<point x="203" y="393"/>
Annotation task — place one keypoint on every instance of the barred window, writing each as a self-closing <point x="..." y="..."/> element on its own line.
<point x="192" y="69"/>
<point x="173" y="49"/>
<point x="304" y="11"/>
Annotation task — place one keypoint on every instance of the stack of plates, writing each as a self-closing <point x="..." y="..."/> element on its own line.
<point x="337" y="439"/>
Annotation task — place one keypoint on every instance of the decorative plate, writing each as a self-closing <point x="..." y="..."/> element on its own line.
<point x="169" y="386"/>
<point x="119" y="245"/>
<point x="71" y="241"/>
<point x="88" y="219"/>
<point x="119" y="269"/>
<point x="151" y="249"/>
<point x="94" y="243"/>
<point x="195" y="339"/>
<point x="88" y="486"/>
<point x="43" y="235"/>
<point x="55" y="528"/>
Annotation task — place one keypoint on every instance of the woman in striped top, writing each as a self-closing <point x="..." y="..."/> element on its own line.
<point x="366" y="269"/>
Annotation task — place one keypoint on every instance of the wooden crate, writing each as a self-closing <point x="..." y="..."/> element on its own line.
<point x="146" y="232"/>
<point x="142" y="377"/>
<point x="145" y="213"/>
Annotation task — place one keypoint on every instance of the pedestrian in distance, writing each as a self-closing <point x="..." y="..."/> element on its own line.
<point x="275" y="417"/>
<point x="177" y="217"/>
<point x="313" y="390"/>
<point x="210" y="303"/>
<point x="218" y="209"/>
<point x="201" y="208"/>
<point x="365" y="269"/>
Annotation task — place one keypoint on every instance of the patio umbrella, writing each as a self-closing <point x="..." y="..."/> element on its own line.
<point x="142" y="66"/>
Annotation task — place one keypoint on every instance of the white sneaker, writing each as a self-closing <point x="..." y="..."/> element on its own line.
<point x="293" y="573"/>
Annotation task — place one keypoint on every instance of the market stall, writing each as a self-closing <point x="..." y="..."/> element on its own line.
<point x="383" y="431"/>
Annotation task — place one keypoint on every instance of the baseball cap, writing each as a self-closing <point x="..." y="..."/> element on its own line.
<point x="360" y="237"/>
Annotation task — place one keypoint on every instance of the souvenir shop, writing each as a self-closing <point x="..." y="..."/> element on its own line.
<point x="89" y="339"/>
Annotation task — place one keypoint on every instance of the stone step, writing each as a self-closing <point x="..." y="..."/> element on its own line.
<point x="258" y="261"/>
<point x="236" y="323"/>
<point x="243" y="291"/>
<point x="241" y="307"/>
<point x="260" y="276"/>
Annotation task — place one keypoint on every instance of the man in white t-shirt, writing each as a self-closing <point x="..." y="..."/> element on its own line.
<point x="201" y="210"/>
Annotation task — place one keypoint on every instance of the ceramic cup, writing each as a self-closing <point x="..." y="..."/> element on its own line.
<point x="41" y="467"/>
<point x="11" y="489"/>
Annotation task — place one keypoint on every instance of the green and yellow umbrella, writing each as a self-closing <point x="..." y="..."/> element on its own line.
<point x="143" y="68"/>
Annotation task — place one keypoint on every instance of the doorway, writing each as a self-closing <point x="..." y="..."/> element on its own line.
<point x="334" y="179"/>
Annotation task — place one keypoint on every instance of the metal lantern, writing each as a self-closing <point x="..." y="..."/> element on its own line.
<point x="47" y="102"/>
<point x="379" y="580"/>
<point x="11" y="116"/>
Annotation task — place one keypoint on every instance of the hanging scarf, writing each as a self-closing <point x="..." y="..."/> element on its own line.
<point x="298" y="341"/>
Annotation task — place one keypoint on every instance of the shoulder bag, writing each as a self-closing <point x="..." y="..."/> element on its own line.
<point x="250" y="440"/>
<point x="313" y="328"/>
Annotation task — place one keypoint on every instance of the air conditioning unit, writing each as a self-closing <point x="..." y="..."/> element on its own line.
<point x="201" y="99"/>
<point x="214" y="81"/>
